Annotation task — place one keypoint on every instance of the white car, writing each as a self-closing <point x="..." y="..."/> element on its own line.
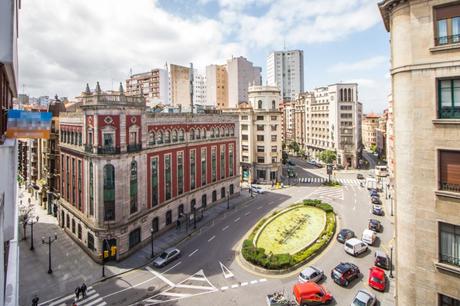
<point x="354" y="246"/>
<point x="311" y="274"/>
<point x="257" y="189"/>
<point x="363" y="298"/>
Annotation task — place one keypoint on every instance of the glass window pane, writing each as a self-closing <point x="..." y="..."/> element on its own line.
<point x="446" y="93"/>
<point x="456" y="29"/>
<point x="457" y="93"/>
<point x="442" y="31"/>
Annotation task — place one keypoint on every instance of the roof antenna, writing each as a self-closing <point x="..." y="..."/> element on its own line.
<point x="284" y="44"/>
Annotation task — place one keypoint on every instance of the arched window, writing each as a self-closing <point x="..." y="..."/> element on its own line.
<point x="168" y="217"/>
<point x="204" y="133"/>
<point x="167" y="136"/>
<point x="192" y="134"/>
<point x="226" y="131"/>
<point x="91" y="189"/>
<point x="159" y="137"/>
<point x="213" y="134"/>
<point x="198" y="134"/>
<point x="232" y="131"/>
<point x="174" y="136"/>
<point x="109" y="192"/>
<point x="217" y="132"/>
<point x="273" y="104"/>
<point x="350" y="95"/>
<point x="152" y="138"/>
<point x="341" y="94"/>
<point x="259" y="104"/>
<point x="181" y="135"/>
<point x="222" y="134"/>
<point x="133" y="188"/>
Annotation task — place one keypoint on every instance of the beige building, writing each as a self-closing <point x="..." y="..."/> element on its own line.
<point x="381" y="135"/>
<point x="299" y="120"/>
<point x="153" y="85"/>
<point x="288" y="121"/>
<point x="390" y="140"/>
<point x="260" y="142"/>
<point x="217" y="86"/>
<point x="425" y="70"/>
<point x="369" y="126"/>
<point x="179" y="77"/>
<point x="241" y="74"/>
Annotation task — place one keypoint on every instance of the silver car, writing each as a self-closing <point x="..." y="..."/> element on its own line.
<point x="363" y="298"/>
<point x="311" y="274"/>
<point x="257" y="189"/>
<point x="166" y="257"/>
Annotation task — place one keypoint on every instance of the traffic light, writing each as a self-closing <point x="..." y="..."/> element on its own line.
<point x="113" y="251"/>
<point x="106" y="254"/>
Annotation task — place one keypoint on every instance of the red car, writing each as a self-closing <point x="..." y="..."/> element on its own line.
<point x="377" y="278"/>
<point x="310" y="293"/>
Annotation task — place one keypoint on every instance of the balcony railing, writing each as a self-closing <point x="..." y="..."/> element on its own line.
<point x="449" y="259"/>
<point x="449" y="113"/>
<point x="450" y="187"/>
<point x="134" y="147"/>
<point x="108" y="150"/>
<point x="88" y="148"/>
<point x="447" y="40"/>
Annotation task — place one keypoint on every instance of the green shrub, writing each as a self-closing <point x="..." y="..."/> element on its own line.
<point x="311" y="202"/>
<point x="326" y="207"/>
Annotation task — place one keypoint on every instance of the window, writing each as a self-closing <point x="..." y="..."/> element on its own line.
<point x="154" y="172"/>
<point x="222" y="192"/>
<point x="344" y="116"/>
<point x="174" y="136"/>
<point x="449" y="244"/>
<point x="73" y="182"/>
<point x="155" y="225"/>
<point x="244" y="117"/>
<point x="274" y="137"/>
<point x="67" y="221"/>
<point x="231" y="189"/>
<point x="159" y="137"/>
<point x="447" y="24"/>
<point x="132" y="138"/>
<point x="134" y="237"/>
<point x="260" y="127"/>
<point x="274" y="127"/>
<point x="168" y="217"/>
<point x="274" y="149"/>
<point x="203" y="166"/>
<point x="449" y="170"/>
<point x="204" y="201"/>
<point x="244" y="137"/>
<point x="181" y="135"/>
<point x="109" y="192"/>
<point x="261" y="174"/>
<point x="192" y="134"/>
<point x="244" y="148"/>
<point x="260" y="159"/>
<point x="91" y="189"/>
<point x="151" y="138"/>
<point x="244" y="158"/>
<point x="244" y="127"/>
<point x="273" y="118"/>
<point x="445" y="300"/>
<point x="108" y="139"/>
<point x="260" y="118"/>
<point x="214" y="196"/>
<point x="192" y="169"/>
<point x="79" y="231"/>
<point x="260" y="149"/>
<point x="222" y="161"/>
<point x="230" y="160"/>
<point x="259" y="104"/>
<point x="168" y="186"/>
<point x="167" y="136"/>
<point x="273" y="104"/>
<point x="73" y="226"/>
<point x="90" y="241"/>
<point x="213" y="164"/>
<point x="449" y="98"/>
<point x="180" y="173"/>
<point x="133" y="188"/>
<point x="260" y="137"/>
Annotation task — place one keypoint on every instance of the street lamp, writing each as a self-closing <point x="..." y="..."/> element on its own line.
<point x="151" y="242"/>
<point x="31" y="222"/>
<point x="49" y="243"/>
<point x="228" y="199"/>
<point x="391" y="262"/>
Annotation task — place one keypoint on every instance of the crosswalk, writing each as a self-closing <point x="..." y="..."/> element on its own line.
<point x="327" y="192"/>
<point x="320" y="180"/>
<point x="92" y="299"/>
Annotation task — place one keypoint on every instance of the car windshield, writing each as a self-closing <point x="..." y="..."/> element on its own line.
<point x="304" y="275"/>
<point x="377" y="280"/>
<point x="163" y="255"/>
<point x="337" y="274"/>
<point x="358" y="303"/>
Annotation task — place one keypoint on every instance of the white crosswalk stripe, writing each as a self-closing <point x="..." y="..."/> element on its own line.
<point x="320" y="180"/>
<point x="328" y="192"/>
<point x="92" y="299"/>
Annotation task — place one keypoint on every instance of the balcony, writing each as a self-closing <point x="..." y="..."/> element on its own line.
<point x="449" y="113"/>
<point x="88" y="148"/>
<point x="136" y="147"/>
<point x="108" y="150"/>
<point x="447" y="40"/>
<point x="445" y="186"/>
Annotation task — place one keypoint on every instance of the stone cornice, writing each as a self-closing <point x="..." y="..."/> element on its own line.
<point x="385" y="7"/>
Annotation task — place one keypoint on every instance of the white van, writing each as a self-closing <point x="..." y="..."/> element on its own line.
<point x="371" y="183"/>
<point x="369" y="236"/>
<point x="354" y="246"/>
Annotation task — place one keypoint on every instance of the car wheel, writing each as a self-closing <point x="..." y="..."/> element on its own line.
<point x="346" y="283"/>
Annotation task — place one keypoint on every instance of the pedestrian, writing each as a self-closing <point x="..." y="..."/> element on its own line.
<point x="77" y="292"/>
<point x="177" y="224"/>
<point x="35" y="301"/>
<point x="83" y="290"/>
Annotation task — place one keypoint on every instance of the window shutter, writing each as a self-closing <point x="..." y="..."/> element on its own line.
<point x="446" y="12"/>
<point x="450" y="167"/>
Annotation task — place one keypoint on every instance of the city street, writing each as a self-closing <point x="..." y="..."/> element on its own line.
<point x="208" y="271"/>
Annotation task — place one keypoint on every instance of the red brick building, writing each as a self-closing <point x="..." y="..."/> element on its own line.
<point x="125" y="171"/>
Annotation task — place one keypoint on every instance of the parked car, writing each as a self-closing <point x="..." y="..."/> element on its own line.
<point x="291" y="163"/>
<point x="363" y="298"/>
<point x="359" y="176"/>
<point x="377" y="210"/>
<point x="354" y="246"/>
<point x="374" y="194"/>
<point x="344" y="235"/>
<point x="166" y="257"/>
<point x="369" y="236"/>
<point x="376" y="200"/>
<point x="381" y="260"/>
<point x="375" y="225"/>
<point x="377" y="279"/>
<point x="311" y="293"/>
<point x="373" y="191"/>
<point x="257" y="189"/>
<point x="311" y="274"/>
<point x="344" y="273"/>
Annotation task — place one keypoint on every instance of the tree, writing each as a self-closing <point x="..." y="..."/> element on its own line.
<point x="294" y="146"/>
<point x="373" y="148"/>
<point x="284" y="157"/>
<point x="328" y="156"/>
<point x="25" y="214"/>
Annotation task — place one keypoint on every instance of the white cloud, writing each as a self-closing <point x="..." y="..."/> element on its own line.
<point x="361" y="65"/>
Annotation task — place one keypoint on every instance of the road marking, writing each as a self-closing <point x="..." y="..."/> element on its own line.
<point x="235" y="286"/>
<point x="224" y="288"/>
<point x="248" y="213"/>
<point x="262" y="280"/>
<point x="226" y="271"/>
<point x="225" y="228"/>
<point x="210" y="239"/>
<point x="194" y="287"/>
<point x="160" y="276"/>
<point x="237" y="219"/>
<point x="260" y="207"/>
<point x="244" y="284"/>
<point x="254" y="282"/>
<point x="175" y="294"/>
<point x="270" y="203"/>
<point x="98" y="302"/>
<point x="189" y="255"/>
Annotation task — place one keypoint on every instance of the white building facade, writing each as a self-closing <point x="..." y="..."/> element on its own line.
<point x="241" y="74"/>
<point x="199" y="89"/>
<point x="153" y="85"/>
<point x="285" y="70"/>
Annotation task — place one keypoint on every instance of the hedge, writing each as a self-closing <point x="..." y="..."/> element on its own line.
<point x="257" y="256"/>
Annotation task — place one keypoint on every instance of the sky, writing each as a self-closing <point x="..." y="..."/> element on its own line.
<point x="65" y="44"/>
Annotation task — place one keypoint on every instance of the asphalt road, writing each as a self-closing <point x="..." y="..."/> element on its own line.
<point x="208" y="273"/>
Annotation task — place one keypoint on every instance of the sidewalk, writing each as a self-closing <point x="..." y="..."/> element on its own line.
<point x="72" y="266"/>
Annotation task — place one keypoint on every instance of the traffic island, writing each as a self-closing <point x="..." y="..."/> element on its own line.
<point x="287" y="239"/>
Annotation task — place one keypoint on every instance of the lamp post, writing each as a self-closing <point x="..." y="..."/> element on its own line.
<point x="49" y="243"/>
<point x="31" y="222"/>
<point x="151" y="243"/>
<point x="228" y="199"/>
<point x="391" y="262"/>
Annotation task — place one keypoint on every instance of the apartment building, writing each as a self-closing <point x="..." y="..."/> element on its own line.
<point x="217" y="86"/>
<point x="179" y="78"/>
<point x="199" y="89"/>
<point x="241" y="74"/>
<point x="299" y="120"/>
<point x="381" y="135"/>
<point x="288" y="121"/>
<point x="369" y="126"/>
<point x="153" y="85"/>
<point x="126" y="172"/>
<point x="285" y="70"/>
<point x="425" y="72"/>
<point x="260" y="125"/>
